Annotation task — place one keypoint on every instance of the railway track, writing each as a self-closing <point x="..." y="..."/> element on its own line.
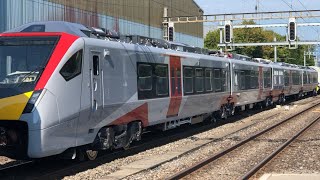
<point x="196" y="167"/>
<point x="15" y="165"/>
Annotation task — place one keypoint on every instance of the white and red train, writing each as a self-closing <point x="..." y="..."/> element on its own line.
<point x="65" y="87"/>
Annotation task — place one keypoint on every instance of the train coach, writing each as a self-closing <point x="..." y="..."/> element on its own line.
<point x="68" y="89"/>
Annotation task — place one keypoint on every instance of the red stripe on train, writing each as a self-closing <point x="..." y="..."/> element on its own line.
<point x="175" y="86"/>
<point x="65" y="41"/>
<point x="140" y="113"/>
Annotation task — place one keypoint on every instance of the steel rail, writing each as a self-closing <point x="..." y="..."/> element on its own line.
<point x="278" y="150"/>
<point x="208" y="160"/>
<point x="7" y="167"/>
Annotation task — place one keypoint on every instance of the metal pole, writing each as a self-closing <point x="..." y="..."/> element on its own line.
<point x="316" y="63"/>
<point x="275" y="54"/>
<point x="275" y="50"/>
<point x="149" y="20"/>
<point x="221" y="36"/>
<point x="304" y="58"/>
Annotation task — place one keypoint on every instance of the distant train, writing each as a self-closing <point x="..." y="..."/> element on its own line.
<point x="66" y="88"/>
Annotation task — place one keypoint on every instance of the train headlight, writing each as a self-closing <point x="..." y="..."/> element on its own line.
<point x="33" y="99"/>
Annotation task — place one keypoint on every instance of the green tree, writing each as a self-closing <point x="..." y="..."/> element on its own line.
<point x="212" y="39"/>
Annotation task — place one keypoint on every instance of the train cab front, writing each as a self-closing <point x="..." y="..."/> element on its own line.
<point x="23" y="59"/>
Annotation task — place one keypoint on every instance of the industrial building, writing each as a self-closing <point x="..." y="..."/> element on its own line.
<point x="135" y="17"/>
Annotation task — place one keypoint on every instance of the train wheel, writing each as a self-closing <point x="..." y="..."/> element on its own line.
<point x="91" y="155"/>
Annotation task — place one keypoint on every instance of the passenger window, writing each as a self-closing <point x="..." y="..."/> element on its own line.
<point x="161" y="73"/>
<point x="267" y="79"/>
<point x="199" y="80"/>
<point x="145" y="77"/>
<point x="72" y="67"/>
<point x="208" y="80"/>
<point x="217" y="80"/>
<point x="286" y="78"/>
<point x="95" y="65"/>
<point x="242" y="80"/>
<point x="188" y="80"/>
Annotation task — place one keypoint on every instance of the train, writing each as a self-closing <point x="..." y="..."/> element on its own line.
<point x="67" y="89"/>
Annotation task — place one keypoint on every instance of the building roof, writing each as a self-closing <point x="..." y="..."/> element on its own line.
<point x="197" y="5"/>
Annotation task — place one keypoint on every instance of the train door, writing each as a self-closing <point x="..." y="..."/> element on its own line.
<point x="175" y="86"/>
<point x="96" y="85"/>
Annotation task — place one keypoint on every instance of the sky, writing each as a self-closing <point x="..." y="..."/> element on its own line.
<point x="238" y="6"/>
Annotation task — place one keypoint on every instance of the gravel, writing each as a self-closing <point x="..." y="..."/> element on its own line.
<point x="5" y="160"/>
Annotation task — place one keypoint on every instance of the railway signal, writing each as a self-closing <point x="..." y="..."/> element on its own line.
<point x="170" y="32"/>
<point x="227" y="32"/>
<point x="292" y="30"/>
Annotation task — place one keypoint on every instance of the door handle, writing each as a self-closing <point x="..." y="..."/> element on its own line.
<point x="95" y="85"/>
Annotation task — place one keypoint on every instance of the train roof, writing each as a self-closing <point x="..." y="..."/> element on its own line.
<point x="53" y="26"/>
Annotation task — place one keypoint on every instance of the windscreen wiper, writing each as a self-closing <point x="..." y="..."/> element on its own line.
<point x="39" y="69"/>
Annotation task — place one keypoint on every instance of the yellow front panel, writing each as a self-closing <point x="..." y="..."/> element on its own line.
<point x="12" y="107"/>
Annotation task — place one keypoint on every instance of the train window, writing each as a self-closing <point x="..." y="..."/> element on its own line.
<point x="217" y="80"/>
<point x="252" y="83"/>
<point x="161" y="73"/>
<point x="72" y="67"/>
<point x="199" y="80"/>
<point x="296" y="78"/>
<point x="208" y="80"/>
<point x="304" y="77"/>
<point x="145" y="77"/>
<point x="286" y="78"/>
<point x="95" y="59"/>
<point x="254" y="79"/>
<point x="276" y="77"/>
<point x="315" y="78"/>
<point x="188" y="80"/>
<point x="267" y="78"/>
<point x="247" y="79"/>
<point x="281" y="78"/>
<point x="242" y="80"/>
